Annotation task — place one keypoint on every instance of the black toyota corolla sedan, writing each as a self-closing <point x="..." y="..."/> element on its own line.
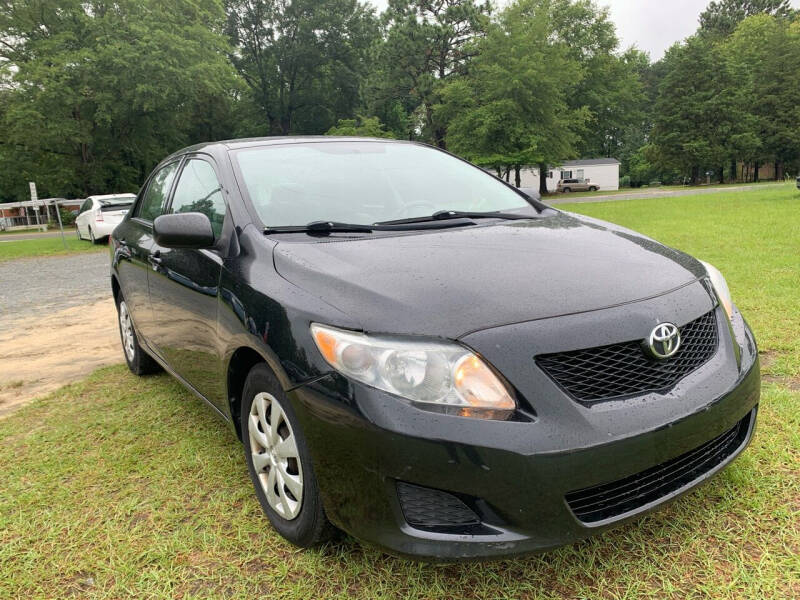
<point x="414" y="352"/>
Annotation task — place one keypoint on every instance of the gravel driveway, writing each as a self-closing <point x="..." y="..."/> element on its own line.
<point x="57" y="324"/>
<point x="32" y="287"/>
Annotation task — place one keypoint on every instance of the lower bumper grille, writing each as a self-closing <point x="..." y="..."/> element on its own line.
<point x="612" y="500"/>
<point x="427" y="508"/>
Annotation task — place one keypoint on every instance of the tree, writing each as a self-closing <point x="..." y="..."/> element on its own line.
<point x="511" y="108"/>
<point x="609" y="86"/>
<point x="302" y="60"/>
<point x="699" y="111"/>
<point x="360" y="127"/>
<point x="722" y="17"/>
<point x="764" y="52"/>
<point x="96" y="94"/>
<point x="428" y="44"/>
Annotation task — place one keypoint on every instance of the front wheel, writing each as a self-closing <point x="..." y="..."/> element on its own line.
<point x="593" y="189"/>
<point x="279" y="462"/>
<point x="566" y="190"/>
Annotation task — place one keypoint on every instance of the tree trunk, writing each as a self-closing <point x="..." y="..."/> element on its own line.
<point x="733" y="171"/>
<point x="517" y="180"/>
<point x="508" y="173"/>
<point x="499" y="172"/>
<point x="755" y="171"/>
<point x="722" y="174"/>
<point x="778" y="170"/>
<point x="695" y="177"/>
<point x="542" y="179"/>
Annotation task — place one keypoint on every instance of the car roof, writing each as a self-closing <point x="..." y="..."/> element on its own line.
<point x="235" y="144"/>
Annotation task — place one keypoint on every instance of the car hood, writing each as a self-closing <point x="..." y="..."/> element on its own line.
<point x="451" y="282"/>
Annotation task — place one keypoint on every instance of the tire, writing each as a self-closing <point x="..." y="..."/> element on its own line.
<point x="297" y="512"/>
<point x="565" y="190"/>
<point x="139" y="361"/>
<point x="91" y="236"/>
<point x="593" y="189"/>
<point x="78" y="232"/>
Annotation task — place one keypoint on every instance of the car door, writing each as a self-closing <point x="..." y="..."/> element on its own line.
<point x="135" y="236"/>
<point x="184" y="285"/>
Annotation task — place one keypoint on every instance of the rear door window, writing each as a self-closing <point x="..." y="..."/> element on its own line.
<point x="155" y="197"/>
<point x="199" y="190"/>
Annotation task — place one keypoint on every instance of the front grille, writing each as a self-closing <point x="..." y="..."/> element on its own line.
<point x="427" y="508"/>
<point x="624" y="369"/>
<point x="615" y="499"/>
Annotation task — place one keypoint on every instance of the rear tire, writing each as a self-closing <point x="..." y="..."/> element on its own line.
<point x="566" y="190"/>
<point x="139" y="361"/>
<point x="279" y="462"/>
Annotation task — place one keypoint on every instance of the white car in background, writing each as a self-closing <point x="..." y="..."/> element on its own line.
<point x="99" y="215"/>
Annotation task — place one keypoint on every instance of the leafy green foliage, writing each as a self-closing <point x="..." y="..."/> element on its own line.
<point x="96" y="94"/>
<point x="722" y="17"/>
<point x="360" y="127"/>
<point x="511" y="108"/>
<point x="427" y="44"/>
<point x="302" y="61"/>
<point x="725" y="101"/>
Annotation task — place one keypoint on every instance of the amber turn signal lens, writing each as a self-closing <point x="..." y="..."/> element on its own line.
<point x="478" y="386"/>
<point x="326" y="343"/>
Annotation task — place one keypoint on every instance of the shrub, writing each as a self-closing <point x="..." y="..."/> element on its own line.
<point x="67" y="217"/>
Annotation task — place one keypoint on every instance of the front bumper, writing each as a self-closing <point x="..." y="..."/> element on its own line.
<point x="514" y="475"/>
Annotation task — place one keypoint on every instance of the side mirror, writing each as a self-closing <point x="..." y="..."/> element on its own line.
<point x="183" y="230"/>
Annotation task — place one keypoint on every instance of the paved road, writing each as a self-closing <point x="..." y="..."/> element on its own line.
<point x="16" y="237"/>
<point x="658" y="193"/>
<point x="32" y="287"/>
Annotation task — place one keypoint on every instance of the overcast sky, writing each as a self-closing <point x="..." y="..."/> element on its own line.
<point x="651" y="25"/>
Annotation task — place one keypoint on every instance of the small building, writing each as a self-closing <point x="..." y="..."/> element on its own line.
<point x="603" y="172"/>
<point x="31" y="214"/>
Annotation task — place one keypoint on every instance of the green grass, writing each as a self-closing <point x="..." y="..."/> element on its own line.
<point x="50" y="246"/>
<point x="119" y="486"/>
<point x="661" y="188"/>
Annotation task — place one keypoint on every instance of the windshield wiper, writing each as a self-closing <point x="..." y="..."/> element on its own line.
<point x="444" y="215"/>
<point x="326" y="227"/>
<point x="321" y="227"/>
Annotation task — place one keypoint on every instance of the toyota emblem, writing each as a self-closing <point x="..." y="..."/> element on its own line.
<point x="664" y="340"/>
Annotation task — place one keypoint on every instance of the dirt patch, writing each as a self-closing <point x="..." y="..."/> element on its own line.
<point x="39" y="357"/>
<point x="790" y="383"/>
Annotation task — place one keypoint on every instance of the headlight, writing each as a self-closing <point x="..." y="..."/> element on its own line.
<point x="434" y="373"/>
<point x="721" y="287"/>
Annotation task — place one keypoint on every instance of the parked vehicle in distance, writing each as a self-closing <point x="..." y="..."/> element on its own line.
<point x="576" y="185"/>
<point x="99" y="215"/>
<point x="423" y="356"/>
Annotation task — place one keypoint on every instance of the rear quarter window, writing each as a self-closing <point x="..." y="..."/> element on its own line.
<point x="155" y="196"/>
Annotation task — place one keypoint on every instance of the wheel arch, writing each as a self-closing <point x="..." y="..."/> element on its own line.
<point x="115" y="288"/>
<point x="240" y="363"/>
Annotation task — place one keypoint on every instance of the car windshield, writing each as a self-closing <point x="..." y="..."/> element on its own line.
<point x="365" y="183"/>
